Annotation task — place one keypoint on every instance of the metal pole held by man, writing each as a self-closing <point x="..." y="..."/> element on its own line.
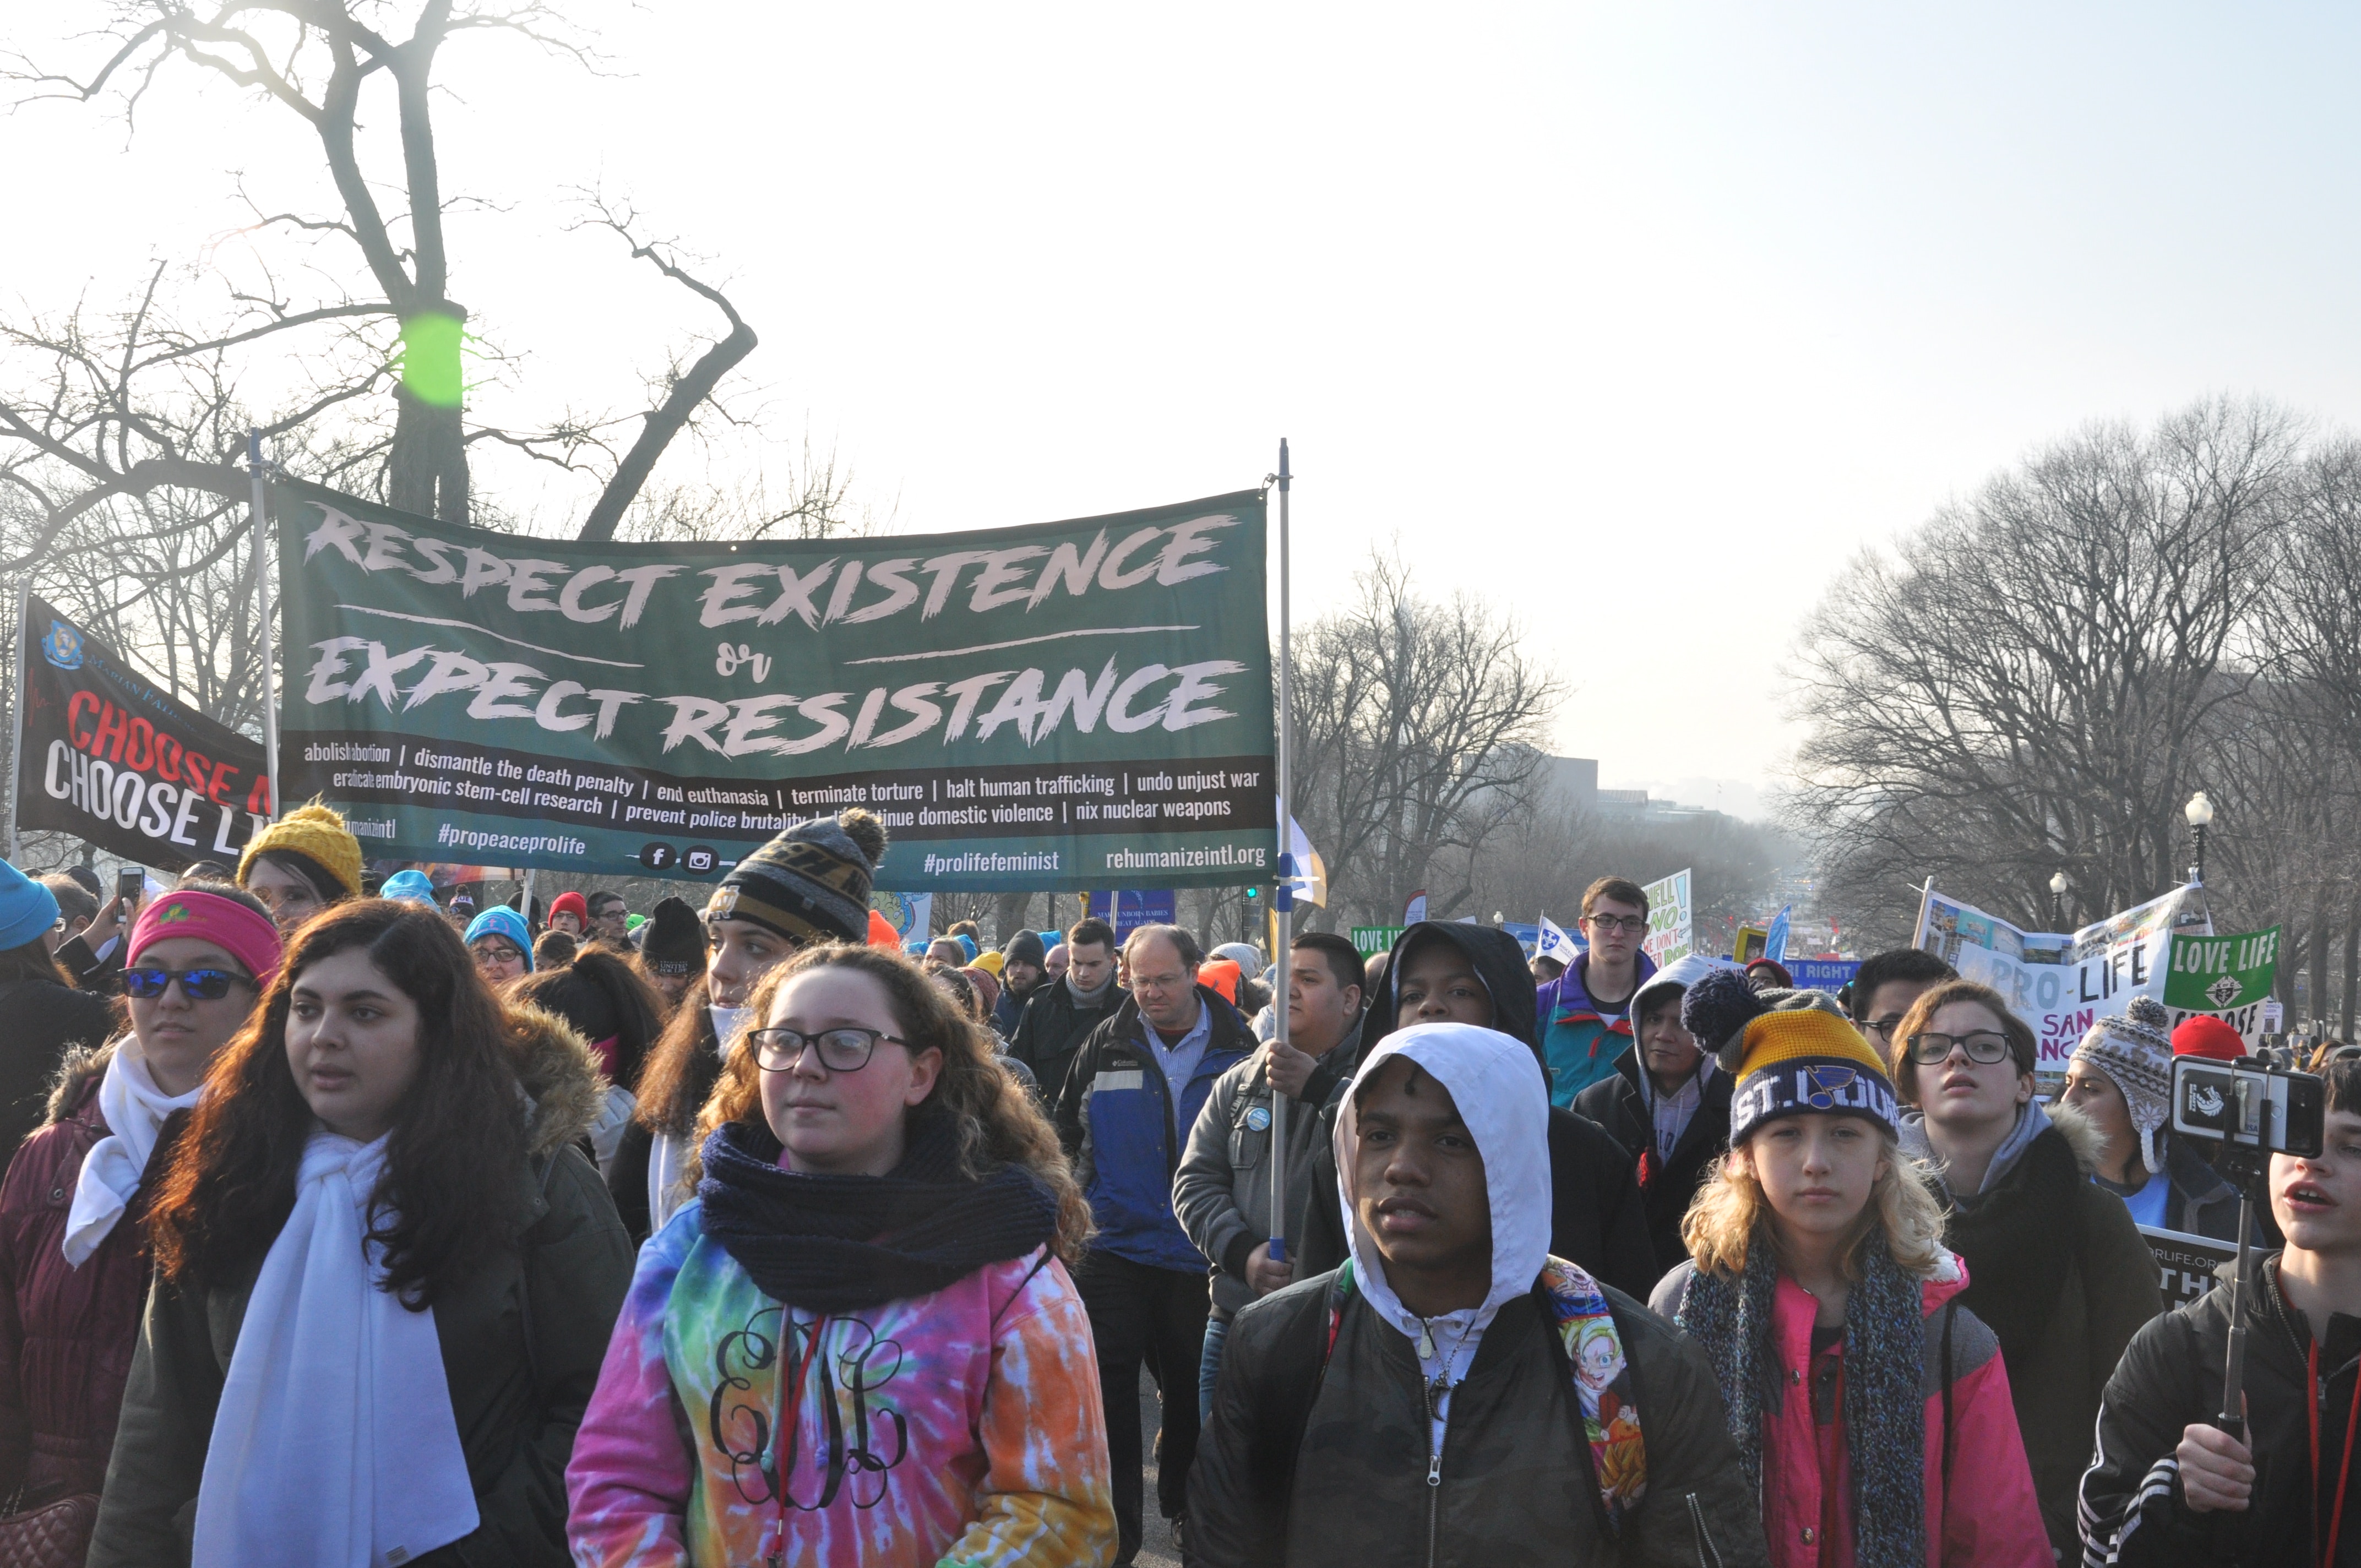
<point x="1283" y="900"/>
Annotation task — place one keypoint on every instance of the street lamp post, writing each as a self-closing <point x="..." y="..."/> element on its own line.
<point x="2057" y="887"/>
<point x="2200" y="813"/>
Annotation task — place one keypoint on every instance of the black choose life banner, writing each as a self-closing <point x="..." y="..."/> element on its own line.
<point x="109" y="757"/>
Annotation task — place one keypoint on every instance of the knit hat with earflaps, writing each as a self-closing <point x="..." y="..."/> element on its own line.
<point x="318" y="835"/>
<point x="1790" y="1052"/>
<point x="810" y="883"/>
<point x="674" y="943"/>
<point x="2133" y="1049"/>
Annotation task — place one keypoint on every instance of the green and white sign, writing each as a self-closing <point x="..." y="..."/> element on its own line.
<point x="1050" y="707"/>
<point x="1374" y="939"/>
<point x="1671" y="920"/>
<point x="2228" y="976"/>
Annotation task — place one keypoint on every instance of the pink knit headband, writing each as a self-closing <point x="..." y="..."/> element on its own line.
<point x="228" y="925"/>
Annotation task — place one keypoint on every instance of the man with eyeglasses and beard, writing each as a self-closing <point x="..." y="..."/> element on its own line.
<point x="1587" y="1012"/>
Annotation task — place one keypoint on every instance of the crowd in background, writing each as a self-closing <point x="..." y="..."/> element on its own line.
<point x="348" y="1222"/>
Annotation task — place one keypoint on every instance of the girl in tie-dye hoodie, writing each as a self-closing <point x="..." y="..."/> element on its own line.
<point x="858" y="1344"/>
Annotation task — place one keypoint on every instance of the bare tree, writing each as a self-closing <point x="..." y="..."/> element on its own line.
<point x="135" y="403"/>
<point x="1417" y="724"/>
<point x="2026" y="685"/>
<point x="123" y="427"/>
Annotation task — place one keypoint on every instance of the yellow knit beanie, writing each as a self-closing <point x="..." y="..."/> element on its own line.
<point x="316" y="833"/>
<point x="1792" y="1053"/>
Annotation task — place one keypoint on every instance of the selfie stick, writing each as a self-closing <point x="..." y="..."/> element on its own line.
<point x="2245" y="1168"/>
<point x="1282" y="901"/>
<point x="2232" y="1416"/>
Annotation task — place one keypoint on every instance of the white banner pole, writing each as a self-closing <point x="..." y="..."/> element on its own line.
<point x="262" y="614"/>
<point x="1283" y="900"/>
<point x="17" y="713"/>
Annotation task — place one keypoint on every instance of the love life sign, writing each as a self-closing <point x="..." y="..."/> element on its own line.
<point x="2230" y="977"/>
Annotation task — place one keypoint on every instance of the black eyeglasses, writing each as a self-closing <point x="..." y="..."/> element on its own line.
<point x="1984" y="1046"/>
<point x="196" y="984"/>
<point x="840" y="1050"/>
<point x="1883" y="1027"/>
<point x="1610" y="924"/>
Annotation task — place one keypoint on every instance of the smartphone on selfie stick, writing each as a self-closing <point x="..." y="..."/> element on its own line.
<point x="2247" y="1110"/>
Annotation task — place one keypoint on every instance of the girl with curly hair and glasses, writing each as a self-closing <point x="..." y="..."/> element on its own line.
<point x="859" y="1342"/>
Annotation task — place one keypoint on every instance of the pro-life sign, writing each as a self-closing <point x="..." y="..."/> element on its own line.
<point x="111" y="758"/>
<point x="2228" y="977"/>
<point x="2184" y="1262"/>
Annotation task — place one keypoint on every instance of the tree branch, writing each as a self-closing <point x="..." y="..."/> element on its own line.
<point x="688" y="390"/>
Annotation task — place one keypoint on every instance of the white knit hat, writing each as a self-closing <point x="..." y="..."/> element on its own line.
<point x="2135" y="1053"/>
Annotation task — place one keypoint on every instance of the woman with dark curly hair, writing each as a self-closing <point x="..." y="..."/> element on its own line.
<point x="859" y="1342"/>
<point x="384" y="1277"/>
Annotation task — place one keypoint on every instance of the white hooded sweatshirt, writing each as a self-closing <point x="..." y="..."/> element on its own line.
<point x="1501" y="1096"/>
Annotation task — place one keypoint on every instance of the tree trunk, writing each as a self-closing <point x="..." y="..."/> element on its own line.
<point x="2292" y="961"/>
<point x="1008" y="913"/>
<point x="427" y="472"/>
<point x="2351" y="955"/>
<point x="2316" y="998"/>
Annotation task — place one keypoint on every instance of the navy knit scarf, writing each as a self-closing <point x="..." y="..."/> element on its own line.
<point x="1884" y="1407"/>
<point x="838" y="1244"/>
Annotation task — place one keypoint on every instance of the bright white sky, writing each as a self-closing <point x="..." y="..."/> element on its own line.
<point x="1637" y="320"/>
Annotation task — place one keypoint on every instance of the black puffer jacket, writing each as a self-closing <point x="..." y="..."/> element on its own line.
<point x="45" y="1021"/>
<point x="1051" y="1033"/>
<point x="1514" y="1483"/>
<point x="1616" y="1104"/>
<point x="2132" y="1509"/>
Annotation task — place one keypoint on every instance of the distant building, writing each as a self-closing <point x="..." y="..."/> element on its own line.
<point x="1575" y="780"/>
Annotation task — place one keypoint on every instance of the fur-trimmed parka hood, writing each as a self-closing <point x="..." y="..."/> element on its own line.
<point x="77" y="1078"/>
<point x="560" y="1075"/>
<point x="2081" y="1134"/>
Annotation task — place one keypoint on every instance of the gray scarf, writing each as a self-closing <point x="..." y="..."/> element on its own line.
<point x="1090" y="998"/>
<point x="1885" y="1409"/>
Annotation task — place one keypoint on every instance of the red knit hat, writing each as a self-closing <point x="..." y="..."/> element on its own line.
<point x="2203" y="1035"/>
<point x="572" y="904"/>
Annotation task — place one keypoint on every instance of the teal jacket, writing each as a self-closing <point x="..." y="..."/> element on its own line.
<point x="1579" y="1044"/>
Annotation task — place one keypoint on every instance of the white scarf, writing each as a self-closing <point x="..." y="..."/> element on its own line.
<point x="334" y="1445"/>
<point x="668" y="1153"/>
<point x="134" y="1109"/>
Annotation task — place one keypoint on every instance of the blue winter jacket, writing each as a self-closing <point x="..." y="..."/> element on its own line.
<point x="1115" y="1119"/>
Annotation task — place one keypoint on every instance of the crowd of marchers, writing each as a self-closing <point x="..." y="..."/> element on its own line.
<point x="346" y="1224"/>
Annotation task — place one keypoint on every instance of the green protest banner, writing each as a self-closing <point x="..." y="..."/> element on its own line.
<point x="1049" y="707"/>
<point x="2228" y="976"/>
<point x="1375" y="940"/>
